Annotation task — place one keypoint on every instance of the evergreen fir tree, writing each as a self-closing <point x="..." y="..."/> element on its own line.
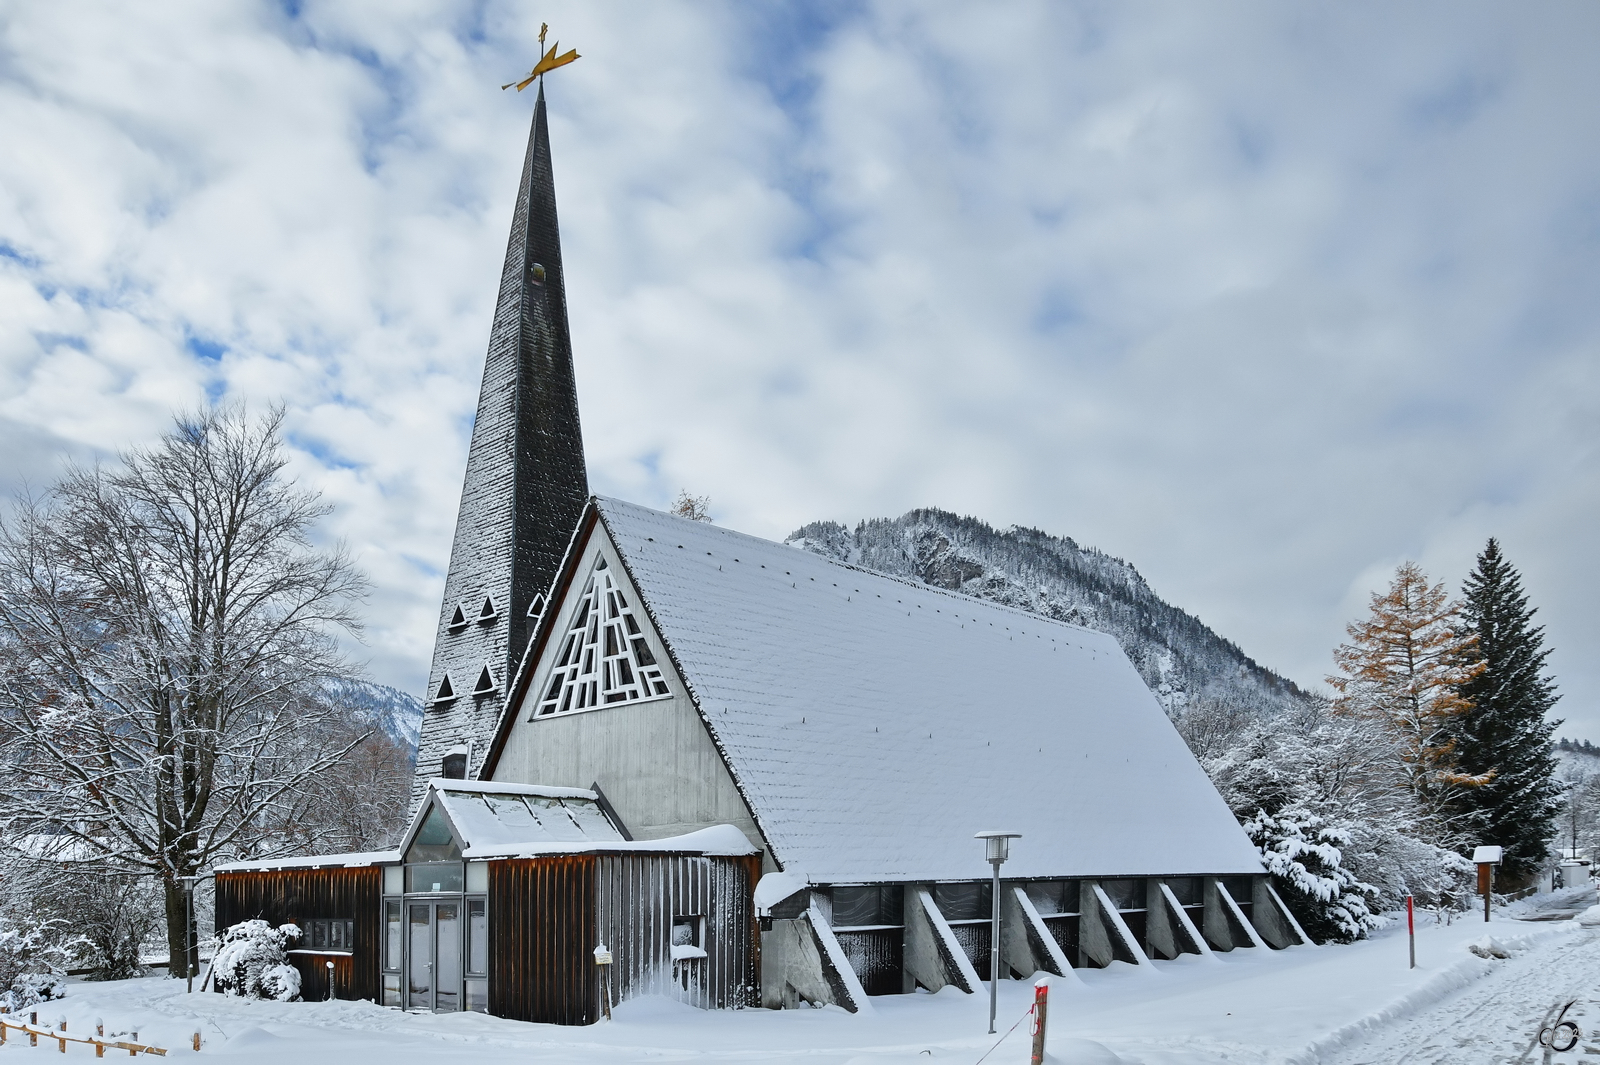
<point x="1506" y="729"/>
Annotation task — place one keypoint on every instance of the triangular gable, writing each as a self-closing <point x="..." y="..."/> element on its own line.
<point x="540" y="685"/>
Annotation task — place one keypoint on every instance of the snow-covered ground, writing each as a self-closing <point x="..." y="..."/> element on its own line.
<point x="1333" y="1005"/>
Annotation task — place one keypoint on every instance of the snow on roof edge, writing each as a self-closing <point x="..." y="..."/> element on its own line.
<point x="349" y="860"/>
<point x="716" y="841"/>
<point x="493" y="787"/>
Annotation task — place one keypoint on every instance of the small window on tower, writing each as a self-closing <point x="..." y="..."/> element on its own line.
<point x="447" y="691"/>
<point x="485" y="683"/>
<point x="488" y="613"/>
<point x="454" y="766"/>
<point x="458" y="620"/>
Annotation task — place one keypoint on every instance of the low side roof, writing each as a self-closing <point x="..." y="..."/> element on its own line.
<point x="494" y="820"/>
<point x="350" y="860"/>
<point x="874" y="725"/>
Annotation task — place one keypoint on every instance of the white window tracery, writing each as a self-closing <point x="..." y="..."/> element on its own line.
<point x="603" y="658"/>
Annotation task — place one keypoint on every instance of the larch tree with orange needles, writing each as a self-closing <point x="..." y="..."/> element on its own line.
<point x="1404" y="669"/>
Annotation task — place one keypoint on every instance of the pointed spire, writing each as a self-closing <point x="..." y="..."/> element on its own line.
<point x="525" y="483"/>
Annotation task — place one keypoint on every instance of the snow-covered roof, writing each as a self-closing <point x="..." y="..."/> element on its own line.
<point x="495" y="820"/>
<point x="874" y="725"/>
<point x="351" y="860"/>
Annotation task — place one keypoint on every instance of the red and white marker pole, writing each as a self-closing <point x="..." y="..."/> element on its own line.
<point x="1041" y="1003"/>
<point x="1411" y="931"/>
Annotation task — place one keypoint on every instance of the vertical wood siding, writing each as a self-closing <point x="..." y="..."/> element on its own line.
<point x="639" y="896"/>
<point x="542" y="940"/>
<point x="300" y="895"/>
<point x="878" y="958"/>
<point x="974" y="940"/>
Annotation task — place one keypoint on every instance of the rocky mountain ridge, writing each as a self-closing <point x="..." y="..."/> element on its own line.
<point x="1188" y="666"/>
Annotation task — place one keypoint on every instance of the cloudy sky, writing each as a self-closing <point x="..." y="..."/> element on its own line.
<point x="1265" y="298"/>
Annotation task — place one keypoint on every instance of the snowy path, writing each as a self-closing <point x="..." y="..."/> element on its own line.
<point x="1350" y="1005"/>
<point x="1495" y="1019"/>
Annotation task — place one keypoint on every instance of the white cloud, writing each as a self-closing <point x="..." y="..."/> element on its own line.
<point x="1264" y="299"/>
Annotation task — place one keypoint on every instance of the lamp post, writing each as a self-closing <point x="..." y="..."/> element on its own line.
<point x="997" y="848"/>
<point x="188" y="930"/>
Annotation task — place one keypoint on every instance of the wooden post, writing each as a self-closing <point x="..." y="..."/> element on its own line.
<point x="33" y="1036"/>
<point x="197" y="1042"/>
<point x="63" y="1042"/>
<point x="1041" y="1001"/>
<point x="1411" y="930"/>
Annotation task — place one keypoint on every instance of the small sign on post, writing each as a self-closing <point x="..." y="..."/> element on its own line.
<point x="1486" y="858"/>
<point x="602" y="959"/>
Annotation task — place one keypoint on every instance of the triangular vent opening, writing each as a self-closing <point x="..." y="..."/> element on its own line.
<point x="604" y="656"/>
<point x="488" y="613"/>
<point x="446" y="691"/>
<point x="536" y="608"/>
<point x="458" y="620"/>
<point x="485" y="683"/>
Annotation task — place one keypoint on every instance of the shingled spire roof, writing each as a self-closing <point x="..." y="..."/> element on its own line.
<point x="525" y="484"/>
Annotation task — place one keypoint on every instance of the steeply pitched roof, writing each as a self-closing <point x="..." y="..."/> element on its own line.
<point x="875" y="725"/>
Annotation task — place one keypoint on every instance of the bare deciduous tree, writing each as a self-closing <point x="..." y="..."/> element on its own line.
<point x="695" y="508"/>
<point x="164" y="629"/>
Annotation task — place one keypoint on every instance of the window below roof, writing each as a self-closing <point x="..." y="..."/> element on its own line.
<point x="603" y="657"/>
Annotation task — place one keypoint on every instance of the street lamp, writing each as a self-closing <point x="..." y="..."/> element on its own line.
<point x="188" y="929"/>
<point x="997" y="848"/>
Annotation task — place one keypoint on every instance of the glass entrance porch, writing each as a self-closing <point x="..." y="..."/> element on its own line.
<point x="436" y="926"/>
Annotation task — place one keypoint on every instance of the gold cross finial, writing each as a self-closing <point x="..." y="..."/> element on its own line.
<point x="548" y="62"/>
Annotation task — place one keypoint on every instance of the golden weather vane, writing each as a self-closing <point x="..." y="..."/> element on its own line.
<point x="547" y="63"/>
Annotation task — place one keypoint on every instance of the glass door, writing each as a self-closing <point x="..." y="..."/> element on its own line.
<point x="433" y="956"/>
<point x="447" y="956"/>
<point x="419" y="960"/>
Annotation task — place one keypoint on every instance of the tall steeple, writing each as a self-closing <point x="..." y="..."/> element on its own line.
<point x="524" y="490"/>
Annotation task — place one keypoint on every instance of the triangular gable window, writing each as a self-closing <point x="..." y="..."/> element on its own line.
<point x="536" y="608"/>
<point x="447" y="692"/>
<point x="603" y="656"/>
<point x="434" y="841"/>
<point x="458" y="620"/>
<point x="485" y="683"/>
<point x="488" y="613"/>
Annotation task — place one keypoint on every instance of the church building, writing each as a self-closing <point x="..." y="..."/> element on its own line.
<point x="663" y="756"/>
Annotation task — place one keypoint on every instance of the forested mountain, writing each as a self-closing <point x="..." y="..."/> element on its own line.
<point x="398" y="713"/>
<point x="1187" y="665"/>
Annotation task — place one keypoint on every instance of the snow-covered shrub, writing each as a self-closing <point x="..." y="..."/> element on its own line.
<point x="32" y="963"/>
<point x="252" y="962"/>
<point x="1304" y="852"/>
<point x="1398" y="863"/>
